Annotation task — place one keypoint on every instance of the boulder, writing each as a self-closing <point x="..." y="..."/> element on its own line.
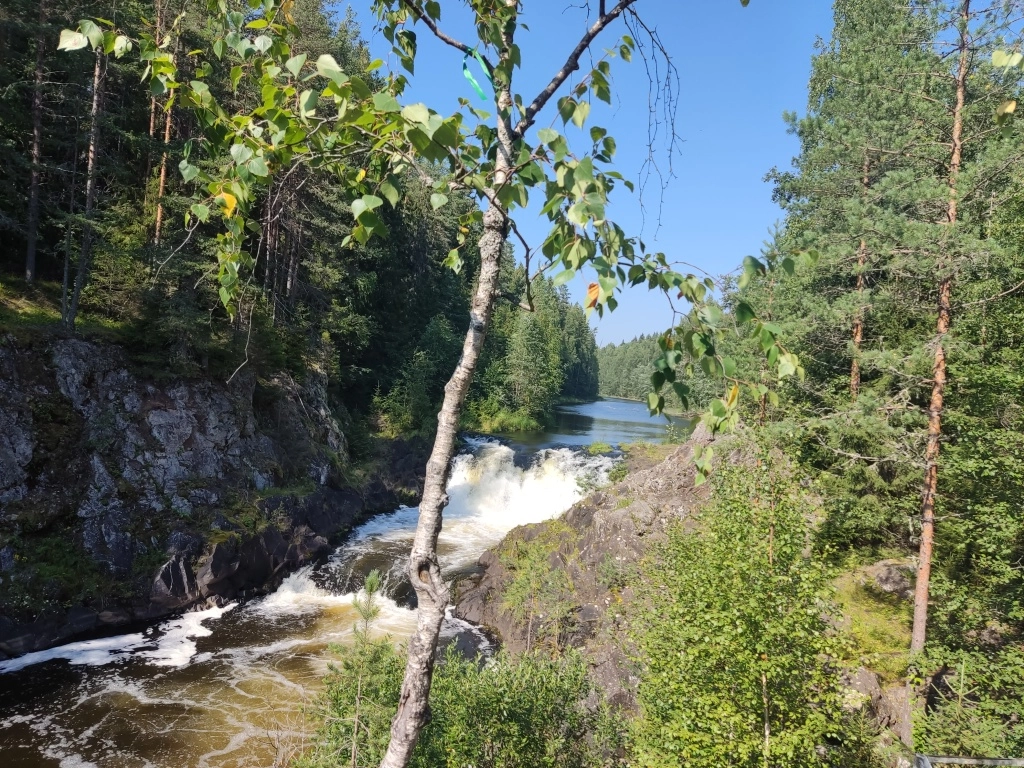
<point x="890" y="577"/>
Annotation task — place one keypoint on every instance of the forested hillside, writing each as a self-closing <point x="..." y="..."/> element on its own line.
<point x="910" y="327"/>
<point x="95" y="237"/>
<point x="625" y="371"/>
<point x="909" y="419"/>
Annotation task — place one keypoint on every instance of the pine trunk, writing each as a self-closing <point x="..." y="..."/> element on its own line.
<point x="162" y="184"/>
<point x="942" y="326"/>
<point x="85" y="255"/>
<point x="163" y="179"/>
<point x="37" y="151"/>
<point x="158" y="20"/>
<point x="858" y="319"/>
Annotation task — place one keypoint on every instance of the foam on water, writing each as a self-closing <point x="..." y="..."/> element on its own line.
<point x="171" y="646"/>
<point x="489" y="496"/>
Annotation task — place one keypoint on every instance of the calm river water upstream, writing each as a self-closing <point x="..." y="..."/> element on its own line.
<point x="226" y="687"/>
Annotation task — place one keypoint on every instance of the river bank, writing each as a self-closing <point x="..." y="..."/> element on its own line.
<point x="126" y="498"/>
<point x="236" y="680"/>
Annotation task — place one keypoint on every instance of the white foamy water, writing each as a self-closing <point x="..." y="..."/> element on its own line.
<point x="226" y="688"/>
<point x="171" y="645"/>
<point x="489" y="496"/>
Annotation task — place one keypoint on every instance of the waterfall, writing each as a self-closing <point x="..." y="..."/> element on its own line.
<point x="216" y="687"/>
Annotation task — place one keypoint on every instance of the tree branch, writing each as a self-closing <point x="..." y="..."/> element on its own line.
<point x="1007" y="292"/>
<point x="571" y="65"/>
<point x="421" y="15"/>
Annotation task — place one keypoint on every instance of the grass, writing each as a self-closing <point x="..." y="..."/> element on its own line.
<point x="505" y="421"/>
<point x="36" y="308"/>
<point x="598" y="448"/>
<point x="877" y="625"/>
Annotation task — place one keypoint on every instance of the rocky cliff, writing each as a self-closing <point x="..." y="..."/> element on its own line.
<point x="124" y="497"/>
<point x="578" y="569"/>
<point x="595" y="544"/>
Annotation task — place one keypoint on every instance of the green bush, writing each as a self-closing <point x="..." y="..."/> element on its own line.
<point x="540" y="592"/>
<point x="975" y="704"/>
<point x="524" y="712"/>
<point x="504" y="712"/>
<point x="737" y="647"/>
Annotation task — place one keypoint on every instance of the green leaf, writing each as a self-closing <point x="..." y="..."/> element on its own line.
<point x="453" y="261"/>
<point x="1005" y="59"/>
<point x="365" y="204"/>
<point x="787" y="366"/>
<point x="579" y="116"/>
<point x="563" y="277"/>
<point x="327" y="67"/>
<point x="437" y="200"/>
<point x="240" y="153"/>
<point x="385" y="102"/>
<point x="92" y="32"/>
<point x="566" y="108"/>
<point x="295" y="63"/>
<point x="390" y="192"/>
<point x="547" y="135"/>
<point x="71" y="40"/>
<point x="188" y="172"/>
<point x="416" y="113"/>
<point x="258" y="167"/>
<point x="744" y="313"/>
<point x="308" y="101"/>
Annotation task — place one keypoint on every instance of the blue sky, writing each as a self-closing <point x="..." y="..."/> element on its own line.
<point x="740" y="68"/>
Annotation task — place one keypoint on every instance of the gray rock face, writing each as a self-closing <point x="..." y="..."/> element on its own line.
<point x="15" y="431"/>
<point x="610" y="530"/>
<point x="891" y="577"/>
<point x="128" y="471"/>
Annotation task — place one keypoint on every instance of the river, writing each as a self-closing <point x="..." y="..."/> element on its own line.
<point x="226" y="687"/>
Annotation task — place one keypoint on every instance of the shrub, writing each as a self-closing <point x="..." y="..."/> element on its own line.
<point x="975" y="704"/>
<point x="733" y="624"/>
<point x="524" y="712"/>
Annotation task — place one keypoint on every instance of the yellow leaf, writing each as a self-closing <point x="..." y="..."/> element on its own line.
<point x="1006" y="108"/>
<point x="361" y="175"/>
<point x="229" y="202"/>
<point x="734" y="394"/>
<point x="286" y="9"/>
<point x="593" y="292"/>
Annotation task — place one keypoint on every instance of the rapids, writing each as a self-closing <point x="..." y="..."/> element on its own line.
<point x="225" y="687"/>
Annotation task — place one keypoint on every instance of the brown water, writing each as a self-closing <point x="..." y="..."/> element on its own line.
<point x="228" y="688"/>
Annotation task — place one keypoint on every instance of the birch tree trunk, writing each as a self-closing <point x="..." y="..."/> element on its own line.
<point x="85" y="255"/>
<point x="424" y="570"/>
<point x="942" y="326"/>
<point x="37" y="151"/>
<point x="432" y="593"/>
